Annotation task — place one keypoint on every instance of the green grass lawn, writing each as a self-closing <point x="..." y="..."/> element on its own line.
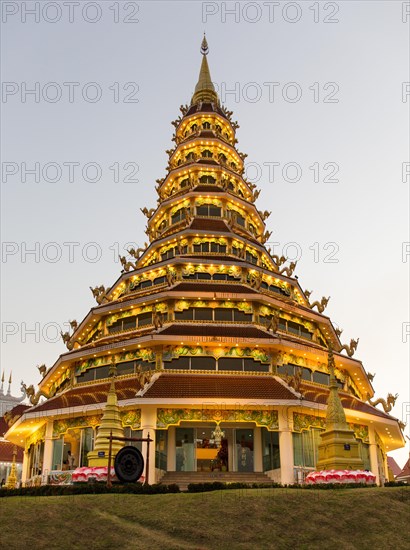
<point x="237" y="519"/>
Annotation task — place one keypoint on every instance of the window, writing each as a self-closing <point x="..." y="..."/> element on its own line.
<point x="102" y="372"/>
<point x="286" y="370"/>
<point x="230" y="363"/>
<point x="202" y="314"/>
<point x="203" y="363"/>
<point x="223" y="314"/>
<point x="207" y="179"/>
<point x="270" y="450"/>
<point x="241" y="316"/>
<point x="218" y="248"/>
<point x="194" y="127"/>
<point x="206" y="126"/>
<point x="208" y="210"/>
<point x="178" y="216"/>
<point x="168" y="254"/>
<point x="251" y="258"/>
<point x="144" y="319"/>
<point x="190" y="156"/>
<point x="181" y="363"/>
<point x="306" y="374"/>
<point x="161" y="446"/>
<point x="184" y="182"/>
<point x="207" y="153"/>
<point x="306" y="447"/>
<point x="222" y="157"/>
<point x="137" y="434"/>
<point x="203" y="247"/>
<point x="321" y="378"/>
<point x="240" y="220"/>
<point x="186" y="315"/>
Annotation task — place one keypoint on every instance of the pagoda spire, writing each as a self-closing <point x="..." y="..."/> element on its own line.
<point x="9" y="388"/>
<point x="338" y="449"/>
<point x="110" y="423"/>
<point x="204" y="90"/>
<point x="335" y="415"/>
<point x="2" y="384"/>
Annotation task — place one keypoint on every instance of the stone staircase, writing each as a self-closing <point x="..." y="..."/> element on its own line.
<point x="182" y="479"/>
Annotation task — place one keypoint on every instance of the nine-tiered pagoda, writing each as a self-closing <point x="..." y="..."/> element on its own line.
<point x="220" y="355"/>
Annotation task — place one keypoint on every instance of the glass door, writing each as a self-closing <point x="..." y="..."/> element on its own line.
<point x="244" y="450"/>
<point x="185" y="450"/>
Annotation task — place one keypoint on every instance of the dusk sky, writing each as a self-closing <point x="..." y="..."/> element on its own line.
<point x="321" y="92"/>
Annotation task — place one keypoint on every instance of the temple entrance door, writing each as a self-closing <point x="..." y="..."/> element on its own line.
<point x="244" y="450"/>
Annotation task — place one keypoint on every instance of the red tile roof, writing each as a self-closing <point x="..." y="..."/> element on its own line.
<point x="6" y="452"/>
<point x="209" y="224"/>
<point x="89" y="395"/>
<point x="405" y="473"/>
<point x="395" y="468"/>
<point x="320" y="395"/>
<point x="178" y="386"/>
<point x="13" y="413"/>
<point x="234" y="331"/>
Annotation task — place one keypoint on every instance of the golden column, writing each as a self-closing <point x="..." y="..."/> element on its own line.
<point x="110" y="423"/>
<point x="11" y="482"/>
<point x="339" y="449"/>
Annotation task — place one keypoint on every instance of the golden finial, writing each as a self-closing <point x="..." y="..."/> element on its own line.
<point x="10" y="378"/>
<point x="2" y="378"/>
<point x="204" y="46"/>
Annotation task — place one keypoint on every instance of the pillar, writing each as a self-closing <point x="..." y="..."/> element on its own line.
<point x="171" y="451"/>
<point x="257" y="450"/>
<point x="148" y="425"/>
<point x="48" y="452"/>
<point x="374" y="464"/>
<point x="287" y="475"/>
<point x="24" y="468"/>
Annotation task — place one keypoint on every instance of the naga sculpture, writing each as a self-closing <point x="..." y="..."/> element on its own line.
<point x="371" y="376"/>
<point x="338" y="331"/>
<point x="42" y="369"/>
<point x="278" y="260"/>
<point x="158" y="320"/>
<point x="402" y="425"/>
<point x="265" y="236"/>
<point x="387" y="404"/>
<point x="184" y="109"/>
<point x="351" y="348"/>
<point x="31" y="393"/>
<point x="255" y="195"/>
<point x="321" y="306"/>
<point x="170" y="276"/>
<point x="126" y="265"/>
<point x="288" y="271"/>
<point x="100" y="294"/>
<point x="66" y="339"/>
<point x="137" y="253"/>
<point x="308" y="293"/>
<point x="273" y="323"/>
<point x="264" y="215"/>
<point x="255" y="280"/>
<point x="295" y="381"/>
<point x="143" y="377"/>
<point x="147" y="212"/>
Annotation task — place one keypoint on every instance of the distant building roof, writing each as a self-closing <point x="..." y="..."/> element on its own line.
<point x="404" y="475"/>
<point x="394" y="467"/>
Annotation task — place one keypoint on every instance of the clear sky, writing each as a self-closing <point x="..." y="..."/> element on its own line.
<point x="319" y="92"/>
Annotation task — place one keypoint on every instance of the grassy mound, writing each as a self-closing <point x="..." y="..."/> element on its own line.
<point x="236" y="519"/>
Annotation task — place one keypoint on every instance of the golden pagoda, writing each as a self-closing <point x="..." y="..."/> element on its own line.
<point x="338" y="449"/>
<point x="221" y="355"/>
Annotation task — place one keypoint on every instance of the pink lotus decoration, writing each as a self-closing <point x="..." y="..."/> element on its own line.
<point x="99" y="473"/>
<point x="340" y="476"/>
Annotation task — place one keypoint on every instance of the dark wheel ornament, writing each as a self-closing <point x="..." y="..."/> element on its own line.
<point x="129" y="464"/>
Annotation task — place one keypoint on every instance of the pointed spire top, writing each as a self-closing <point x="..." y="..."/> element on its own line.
<point x="204" y="90"/>
<point x="204" y="46"/>
<point x="10" y="377"/>
<point x="2" y="378"/>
